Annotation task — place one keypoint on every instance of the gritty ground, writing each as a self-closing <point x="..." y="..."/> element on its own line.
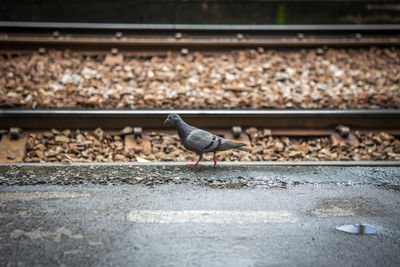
<point x="94" y="226"/>
<point x="202" y="217"/>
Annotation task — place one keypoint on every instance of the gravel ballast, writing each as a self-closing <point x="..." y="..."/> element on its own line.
<point x="307" y="78"/>
<point x="100" y="146"/>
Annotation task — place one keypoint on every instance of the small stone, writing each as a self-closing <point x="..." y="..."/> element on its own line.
<point x="150" y="98"/>
<point x="61" y="139"/>
<point x="114" y="58"/>
<point x="11" y="156"/>
<point x="127" y="130"/>
<point x="80" y="138"/>
<point x="48" y="134"/>
<point x="51" y="153"/>
<point x="175" y="153"/>
<point x="293" y="154"/>
<point x="120" y="157"/>
<point x="343" y="130"/>
<point x="267" y="132"/>
<point x="66" y="132"/>
<point x="55" y="132"/>
<point x="12" y="94"/>
<point x="15" y="133"/>
<point x="30" y="144"/>
<point x="99" y="133"/>
<point x="320" y="51"/>
<point x="279" y="147"/>
<point x="394" y="155"/>
<point x="140" y="159"/>
<point x="40" y="154"/>
<point x="251" y="130"/>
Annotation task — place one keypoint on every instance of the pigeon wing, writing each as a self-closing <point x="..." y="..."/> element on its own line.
<point x="201" y="141"/>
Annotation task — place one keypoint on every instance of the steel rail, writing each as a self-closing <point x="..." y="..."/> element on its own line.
<point x="20" y="35"/>
<point x="278" y="119"/>
<point x="197" y="27"/>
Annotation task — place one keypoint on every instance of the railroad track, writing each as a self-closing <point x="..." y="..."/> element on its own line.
<point x="388" y="120"/>
<point x="101" y="36"/>
<point x="147" y="125"/>
<point x="229" y="123"/>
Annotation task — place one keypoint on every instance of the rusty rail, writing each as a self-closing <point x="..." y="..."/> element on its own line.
<point x="92" y="36"/>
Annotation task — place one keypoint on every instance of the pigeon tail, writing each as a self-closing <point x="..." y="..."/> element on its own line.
<point x="244" y="149"/>
<point x="231" y="145"/>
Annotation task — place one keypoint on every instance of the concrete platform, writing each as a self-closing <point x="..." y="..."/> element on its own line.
<point x="187" y="225"/>
<point x="171" y="214"/>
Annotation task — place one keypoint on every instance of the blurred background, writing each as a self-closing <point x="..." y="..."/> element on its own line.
<point x="203" y="12"/>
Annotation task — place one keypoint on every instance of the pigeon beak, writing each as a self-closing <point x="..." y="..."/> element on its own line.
<point x="167" y="120"/>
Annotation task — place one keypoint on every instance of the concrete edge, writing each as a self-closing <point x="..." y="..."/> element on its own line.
<point x="236" y="163"/>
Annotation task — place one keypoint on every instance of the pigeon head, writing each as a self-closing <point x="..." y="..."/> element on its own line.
<point x="173" y="118"/>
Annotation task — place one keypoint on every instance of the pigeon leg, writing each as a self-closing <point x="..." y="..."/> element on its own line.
<point x="197" y="162"/>
<point x="215" y="159"/>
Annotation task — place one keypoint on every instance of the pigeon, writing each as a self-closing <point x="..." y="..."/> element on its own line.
<point x="201" y="141"/>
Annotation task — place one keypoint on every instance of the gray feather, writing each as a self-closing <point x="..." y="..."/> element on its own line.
<point x="201" y="141"/>
<point x="231" y="145"/>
